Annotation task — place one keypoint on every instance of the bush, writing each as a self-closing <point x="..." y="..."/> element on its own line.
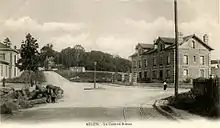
<point x="170" y="81"/>
<point x="24" y="78"/>
<point x="5" y="109"/>
<point x="187" y="81"/>
<point x="144" y="80"/>
<point x="203" y="99"/>
<point x="87" y="76"/>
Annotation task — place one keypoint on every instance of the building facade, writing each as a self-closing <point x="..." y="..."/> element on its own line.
<point x="156" y="61"/>
<point x="8" y="59"/>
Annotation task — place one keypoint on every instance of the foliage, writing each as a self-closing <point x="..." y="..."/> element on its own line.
<point x="170" y="81"/>
<point x="77" y="56"/>
<point x="205" y="103"/>
<point x="187" y="80"/>
<point x="144" y="80"/>
<point x="85" y="76"/>
<point x="7" y="42"/>
<point x="37" y="76"/>
<point x="46" y="54"/>
<point x="29" y="54"/>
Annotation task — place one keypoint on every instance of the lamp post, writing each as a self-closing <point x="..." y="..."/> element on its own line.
<point x="176" y="49"/>
<point x="95" y="63"/>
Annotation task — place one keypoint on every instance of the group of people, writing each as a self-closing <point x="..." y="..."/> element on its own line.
<point x="51" y="92"/>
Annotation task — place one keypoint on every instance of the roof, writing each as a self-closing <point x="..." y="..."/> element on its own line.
<point x="171" y="42"/>
<point x="134" y="54"/>
<point x="145" y="46"/>
<point x="3" y="46"/>
<point x="215" y="61"/>
<point x="186" y="38"/>
<point x="7" y="48"/>
<point x="166" y="40"/>
<point x="202" y="42"/>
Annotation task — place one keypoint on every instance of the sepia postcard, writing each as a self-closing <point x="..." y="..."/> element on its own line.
<point x="110" y="63"/>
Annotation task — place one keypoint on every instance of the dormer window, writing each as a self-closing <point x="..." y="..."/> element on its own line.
<point x="193" y="44"/>
<point x="161" y="47"/>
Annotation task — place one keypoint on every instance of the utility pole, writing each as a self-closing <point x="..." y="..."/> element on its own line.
<point x="176" y="49"/>
<point x="95" y="74"/>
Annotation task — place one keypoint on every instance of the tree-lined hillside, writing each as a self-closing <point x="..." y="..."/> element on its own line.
<point x="32" y="58"/>
<point x="77" y="56"/>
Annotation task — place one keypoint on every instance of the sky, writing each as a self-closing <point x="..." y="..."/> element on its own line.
<point x="112" y="26"/>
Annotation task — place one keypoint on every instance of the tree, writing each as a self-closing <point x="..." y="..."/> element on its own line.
<point x="79" y="50"/>
<point x="7" y="42"/>
<point x="29" y="60"/>
<point x="77" y="56"/>
<point x="46" y="54"/>
<point x="48" y="50"/>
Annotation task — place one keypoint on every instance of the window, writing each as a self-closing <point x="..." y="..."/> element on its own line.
<point x="194" y="59"/>
<point x="134" y="64"/>
<point x="1" y="69"/>
<point x="168" y="59"/>
<point x="145" y="74"/>
<point x="193" y="44"/>
<point x="185" y="59"/>
<point x="2" y="56"/>
<point x="185" y="72"/>
<point x="161" y="47"/>
<point x="168" y="74"/>
<point x="154" y="61"/>
<point x="145" y="63"/>
<point x="161" y="60"/>
<point x="139" y="64"/>
<point x="6" y="70"/>
<point x="202" y="60"/>
<point x="140" y="76"/>
<point x="15" y="59"/>
<point x="15" y="72"/>
<point x="154" y="74"/>
<point x="202" y="73"/>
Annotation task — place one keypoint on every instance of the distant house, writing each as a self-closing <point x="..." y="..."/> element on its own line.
<point x="215" y="67"/>
<point x="8" y="58"/>
<point x="156" y="61"/>
<point x="215" y="63"/>
<point x="77" y="69"/>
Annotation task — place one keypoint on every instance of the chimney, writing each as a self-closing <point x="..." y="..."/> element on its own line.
<point x="180" y="37"/>
<point x="205" y="38"/>
<point x="155" y="45"/>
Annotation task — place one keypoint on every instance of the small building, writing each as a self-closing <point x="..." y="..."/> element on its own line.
<point x="215" y="63"/>
<point x="215" y="67"/>
<point x="8" y="59"/>
<point x="77" y="69"/>
<point x="156" y="61"/>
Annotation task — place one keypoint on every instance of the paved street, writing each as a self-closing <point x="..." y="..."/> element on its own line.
<point x="106" y="104"/>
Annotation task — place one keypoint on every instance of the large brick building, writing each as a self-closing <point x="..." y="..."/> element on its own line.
<point x="156" y="61"/>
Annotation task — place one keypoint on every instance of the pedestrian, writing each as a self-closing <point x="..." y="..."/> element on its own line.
<point x="51" y="93"/>
<point x="3" y="82"/>
<point x="53" y="96"/>
<point x="164" y="85"/>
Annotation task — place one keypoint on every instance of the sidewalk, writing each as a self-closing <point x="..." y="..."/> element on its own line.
<point x="173" y="113"/>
